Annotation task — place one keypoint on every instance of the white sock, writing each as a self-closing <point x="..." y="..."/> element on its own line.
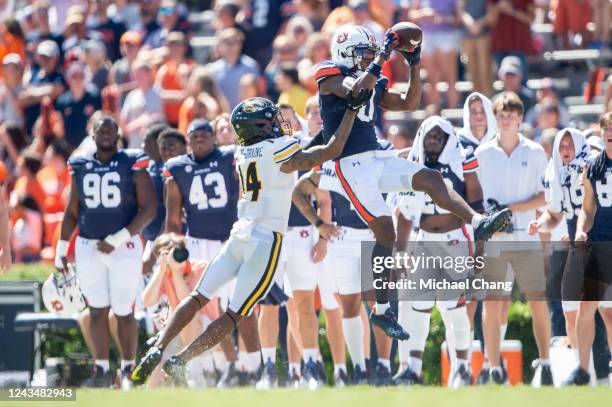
<point x="495" y="369"/>
<point x="353" y="336"/>
<point x="544" y="362"/>
<point x="381" y="308"/>
<point x="253" y="361"/>
<point x="339" y="367"/>
<point x="404" y="316"/>
<point x="220" y="361"/>
<point x="207" y="361"/>
<point x="241" y="363"/>
<point x="385" y="363"/>
<point x="416" y="365"/>
<point x="310" y="353"/>
<point x="419" y="330"/>
<point x="268" y="354"/>
<point x="103" y="364"/>
<point x="462" y="362"/>
<point x="476" y="219"/>
<point x="126" y="363"/>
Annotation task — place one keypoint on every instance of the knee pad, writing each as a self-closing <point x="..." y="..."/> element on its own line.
<point x="419" y="330"/>
<point x="461" y="327"/>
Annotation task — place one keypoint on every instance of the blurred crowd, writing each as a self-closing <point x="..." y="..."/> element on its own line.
<point x="64" y="61"/>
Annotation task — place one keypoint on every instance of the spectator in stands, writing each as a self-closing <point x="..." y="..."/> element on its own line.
<point x="77" y="104"/>
<point x="13" y="141"/>
<point x="477" y="43"/>
<point x="27" y="231"/>
<point x="249" y="87"/>
<point x="299" y="126"/>
<point x="548" y="118"/>
<point x="571" y="17"/>
<point x="54" y="179"/>
<point x="120" y="72"/>
<point x="108" y="29"/>
<point x="511" y="74"/>
<point x="126" y="12"/>
<point x="224" y="135"/>
<point x="12" y="39"/>
<point x="76" y="33"/>
<point x="511" y="31"/>
<point x="291" y="90"/>
<point x="316" y="11"/>
<point x="94" y="56"/>
<point x="549" y="92"/>
<point x="441" y="39"/>
<point x="602" y="13"/>
<point x="142" y="106"/>
<point x="300" y="29"/>
<point x="10" y="87"/>
<point x="5" y="241"/>
<point x="173" y="19"/>
<point x="150" y="25"/>
<point x="231" y="65"/>
<point x="263" y="20"/>
<point x="173" y="75"/>
<point x="362" y="17"/>
<point x="201" y="88"/>
<point x="399" y="136"/>
<point x="285" y="53"/>
<point x="47" y="82"/>
<point x="28" y="165"/>
<point x="43" y="29"/>
<point x="225" y="15"/>
<point x="317" y="50"/>
<point x="313" y="116"/>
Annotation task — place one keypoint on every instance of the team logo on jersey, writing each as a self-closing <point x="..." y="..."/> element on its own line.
<point x="188" y="169"/>
<point x="444" y="170"/>
<point x="89" y="166"/>
<point x="342" y="37"/>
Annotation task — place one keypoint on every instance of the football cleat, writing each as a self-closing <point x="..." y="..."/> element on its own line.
<point x="359" y="376"/>
<point x="388" y="323"/>
<point x="484" y="377"/>
<point x="496" y="376"/>
<point x="579" y="377"/>
<point x="100" y="379"/>
<point x="462" y="377"/>
<point x="491" y="224"/>
<point x="126" y="383"/>
<point x="382" y="375"/>
<point x="211" y="378"/>
<point x="321" y="373"/>
<point x="407" y="377"/>
<point x="147" y="364"/>
<point x="542" y="375"/>
<point x="341" y="378"/>
<point x="294" y="381"/>
<point x="174" y="368"/>
<point x="310" y="376"/>
<point x="229" y="378"/>
<point x="269" y="378"/>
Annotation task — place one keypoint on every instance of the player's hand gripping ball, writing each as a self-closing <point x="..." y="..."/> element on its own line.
<point x="409" y="37"/>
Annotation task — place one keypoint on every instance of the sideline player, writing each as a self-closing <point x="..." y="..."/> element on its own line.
<point x="363" y="173"/>
<point x="265" y="160"/>
<point x="110" y="201"/>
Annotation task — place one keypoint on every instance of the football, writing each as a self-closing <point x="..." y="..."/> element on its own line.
<point x="410" y="35"/>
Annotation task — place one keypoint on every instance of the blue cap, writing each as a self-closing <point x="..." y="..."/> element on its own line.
<point x="199" y="124"/>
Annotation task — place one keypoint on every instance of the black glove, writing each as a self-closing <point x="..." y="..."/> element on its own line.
<point x="390" y="37"/>
<point x="354" y="103"/>
<point x="414" y="57"/>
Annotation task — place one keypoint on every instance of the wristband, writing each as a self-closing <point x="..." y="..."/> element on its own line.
<point x="119" y="238"/>
<point x="319" y="223"/>
<point x="374" y="69"/>
<point x="61" y="251"/>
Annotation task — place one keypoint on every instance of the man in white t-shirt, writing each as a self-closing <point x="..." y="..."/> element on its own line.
<point x="511" y="172"/>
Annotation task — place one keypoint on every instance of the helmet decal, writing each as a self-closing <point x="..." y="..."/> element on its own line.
<point x="253" y="105"/>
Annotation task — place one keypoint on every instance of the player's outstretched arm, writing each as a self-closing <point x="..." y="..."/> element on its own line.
<point x="69" y="223"/>
<point x="307" y="186"/>
<point x="307" y="159"/>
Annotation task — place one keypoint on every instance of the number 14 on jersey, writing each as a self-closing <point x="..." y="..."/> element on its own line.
<point x="253" y="183"/>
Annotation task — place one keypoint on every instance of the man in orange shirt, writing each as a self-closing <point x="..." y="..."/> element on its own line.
<point x="172" y="76"/>
<point x="28" y="166"/>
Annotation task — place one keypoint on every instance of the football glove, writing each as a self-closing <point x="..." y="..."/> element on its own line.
<point x="354" y="103"/>
<point x="414" y="57"/>
<point x="390" y="38"/>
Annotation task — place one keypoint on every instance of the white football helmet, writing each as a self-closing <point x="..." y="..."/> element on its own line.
<point x="61" y="294"/>
<point x="351" y="43"/>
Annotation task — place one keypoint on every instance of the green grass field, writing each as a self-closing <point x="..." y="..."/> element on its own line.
<point x="363" y="396"/>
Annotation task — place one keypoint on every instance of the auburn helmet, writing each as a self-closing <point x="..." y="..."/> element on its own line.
<point x="61" y="293"/>
<point x="350" y="44"/>
<point x="257" y="119"/>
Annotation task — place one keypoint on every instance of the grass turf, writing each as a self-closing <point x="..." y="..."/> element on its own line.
<point x="521" y="396"/>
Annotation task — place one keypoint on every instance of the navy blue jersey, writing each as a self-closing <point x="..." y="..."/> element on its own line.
<point x="152" y="230"/>
<point x="209" y="189"/>
<point x="107" y="195"/>
<point x="601" y="181"/>
<point x="570" y="206"/>
<point x="296" y="219"/>
<point x="363" y="136"/>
